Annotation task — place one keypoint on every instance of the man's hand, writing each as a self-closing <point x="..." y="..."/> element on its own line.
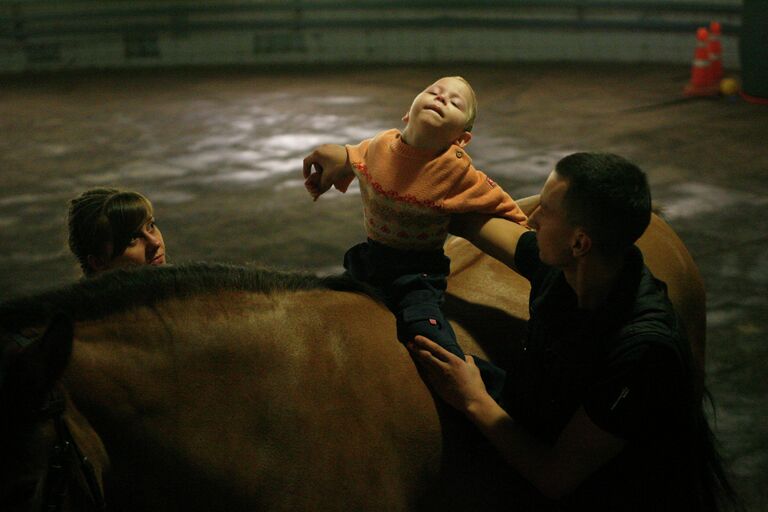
<point x="327" y="165"/>
<point x="458" y="382"/>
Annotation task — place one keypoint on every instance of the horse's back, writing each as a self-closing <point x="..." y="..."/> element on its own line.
<point x="487" y="301"/>
<point x="300" y="400"/>
<point x="669" y="260"/>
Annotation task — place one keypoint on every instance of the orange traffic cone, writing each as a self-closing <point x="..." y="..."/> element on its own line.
<point x="701" y="83"/>
<point x="715" y="52"/>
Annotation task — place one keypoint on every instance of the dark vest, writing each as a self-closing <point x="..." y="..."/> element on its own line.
<point x="569" y="355"/>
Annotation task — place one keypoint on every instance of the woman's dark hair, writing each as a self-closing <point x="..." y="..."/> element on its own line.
<point x="102" y="216"/>
<point x="608" y="196"/>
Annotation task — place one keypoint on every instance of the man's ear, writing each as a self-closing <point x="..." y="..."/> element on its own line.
<point x="463" y="139"/>
<point x="582" y="243"/>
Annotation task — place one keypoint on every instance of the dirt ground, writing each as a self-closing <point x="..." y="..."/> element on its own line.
<point x="219" y="153"/>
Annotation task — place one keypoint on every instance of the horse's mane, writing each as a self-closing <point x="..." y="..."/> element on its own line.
<point x="122" y="289"/>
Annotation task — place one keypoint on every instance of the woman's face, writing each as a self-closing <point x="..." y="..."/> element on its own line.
<point x="145" y="248"/>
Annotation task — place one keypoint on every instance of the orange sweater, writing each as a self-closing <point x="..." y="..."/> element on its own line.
<point x="409" y="194"/>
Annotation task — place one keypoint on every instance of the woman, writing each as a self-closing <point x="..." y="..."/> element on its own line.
<point x="111" y="228"/>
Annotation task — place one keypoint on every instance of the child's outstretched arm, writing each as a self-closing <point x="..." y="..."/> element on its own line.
<point x="327" y="165"/>
<point x="495" y="236"/>
<point x="528" y="204"/>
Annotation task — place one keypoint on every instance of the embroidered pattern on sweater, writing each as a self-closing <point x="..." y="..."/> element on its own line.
<point x="407" y="198"/>
<point x="400" y="220"/>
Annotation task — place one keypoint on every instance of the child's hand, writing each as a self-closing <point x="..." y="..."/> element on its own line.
<point x="324" y="167"/>
<point x="313" y="181"/>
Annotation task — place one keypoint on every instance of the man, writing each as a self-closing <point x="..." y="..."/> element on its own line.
<point x="599" y="410"/>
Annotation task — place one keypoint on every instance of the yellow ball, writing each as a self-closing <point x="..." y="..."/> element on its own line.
<point x="729" y="86"/>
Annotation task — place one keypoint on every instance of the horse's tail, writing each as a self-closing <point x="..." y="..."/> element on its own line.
<point x="713" y="489"/>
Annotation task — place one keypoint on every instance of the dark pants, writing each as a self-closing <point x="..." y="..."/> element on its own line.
<point x="413" y="285"/>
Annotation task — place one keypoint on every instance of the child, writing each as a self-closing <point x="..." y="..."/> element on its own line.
<point x="411" y="183"/>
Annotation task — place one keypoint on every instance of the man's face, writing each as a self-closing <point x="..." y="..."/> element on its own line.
<point x="441" y="110"/>
<point x="554" y="232"/>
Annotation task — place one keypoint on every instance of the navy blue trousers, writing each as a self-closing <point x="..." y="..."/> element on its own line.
<point x="413" y="285"/>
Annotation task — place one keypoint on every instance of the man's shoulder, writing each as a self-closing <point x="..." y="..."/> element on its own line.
<point x="652" y="311"/>
<point x="651" y="331"/>
<point x="639" y="317"/>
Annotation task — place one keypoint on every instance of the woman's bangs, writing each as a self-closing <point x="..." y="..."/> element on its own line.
<point x="127" y="213"/>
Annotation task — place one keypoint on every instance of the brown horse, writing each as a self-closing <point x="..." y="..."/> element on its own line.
<point x="227" y="388"/>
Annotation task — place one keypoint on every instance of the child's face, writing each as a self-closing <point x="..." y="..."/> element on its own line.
<point x="441" y="111"/>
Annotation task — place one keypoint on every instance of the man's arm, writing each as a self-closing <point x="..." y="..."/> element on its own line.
<point x="494" y="236"/>
<point x="555" y="470"/>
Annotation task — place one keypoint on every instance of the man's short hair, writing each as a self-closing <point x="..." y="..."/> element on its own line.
<point x="608" y="196"/>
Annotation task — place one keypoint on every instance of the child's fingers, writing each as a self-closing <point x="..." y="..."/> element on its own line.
<point x="306" y="168"/>
<point x="312" y="188"/>
<point x="309" y="162"/>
